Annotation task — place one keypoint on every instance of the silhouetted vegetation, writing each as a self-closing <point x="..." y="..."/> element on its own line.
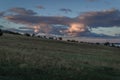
<point x="39" y="36"/>
<point x="98" y="43"/>
<point x="33" y="35"/>
<point x="44" y="37"/>
<point x="74" y="41"/>
<point x="52" y="38"/>
<point x="1" y="33"/>
<point x="27" y="34"/>
<point x="107" y="44"/>
<point x="11" y="32"/>
<point x="60" y="38"/>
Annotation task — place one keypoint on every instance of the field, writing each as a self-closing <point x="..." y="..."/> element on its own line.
<point x="32" y="58"/>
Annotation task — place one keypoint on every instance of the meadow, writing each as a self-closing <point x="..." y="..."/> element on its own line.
<point x="33" y="58"/>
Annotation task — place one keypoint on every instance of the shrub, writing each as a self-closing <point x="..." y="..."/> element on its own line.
<point x="1" y="33"/>
<point x="60" y="38"/>
<point x="26" y="34"/>
<point x="107" y="44"/>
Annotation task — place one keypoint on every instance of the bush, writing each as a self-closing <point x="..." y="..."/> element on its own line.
<point x="52" y="38"/>
<point x="60" y="38"/>
<point x="98" y="43"/>
<point x="26" y="34"/>
<point x="1" y="33"/>
<point x="107" y="44"/>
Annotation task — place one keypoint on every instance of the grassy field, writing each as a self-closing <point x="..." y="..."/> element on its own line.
<point x="32" y="58"/>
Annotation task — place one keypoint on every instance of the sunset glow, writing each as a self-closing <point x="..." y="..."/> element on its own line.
<point x="75" y="28"/>
<point x="36" y="29"/>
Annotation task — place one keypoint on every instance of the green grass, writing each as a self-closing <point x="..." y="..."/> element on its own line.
<point x="32" y="58"/>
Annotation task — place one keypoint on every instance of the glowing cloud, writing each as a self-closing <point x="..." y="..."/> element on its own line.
<point x="42" y="27"/>
<point x="75" y="28"/>
<point x="36" y="29"/>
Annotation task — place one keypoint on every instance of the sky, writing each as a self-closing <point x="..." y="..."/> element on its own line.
<point x="78" y="18"/>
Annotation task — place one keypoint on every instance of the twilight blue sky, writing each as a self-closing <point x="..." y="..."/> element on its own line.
<point x="52" y="6"/>
<point x="82" y="18"/>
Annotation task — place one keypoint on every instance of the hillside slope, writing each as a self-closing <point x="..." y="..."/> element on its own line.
<point x="32" y="58"/>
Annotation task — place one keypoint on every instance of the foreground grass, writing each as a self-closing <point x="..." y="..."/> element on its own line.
<point x="31" y="58"/>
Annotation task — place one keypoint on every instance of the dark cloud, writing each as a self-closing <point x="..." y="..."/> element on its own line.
<point x="30" y="31"/>
<point x="117" y="35"/>
<point x="40" y="7"/>
<point x="28" y="19"/>
<point x="104" y="1"/>
<point x="25" y="28"/>
<point x="22" y="11"/>
<point x="1" y="26"/>
<point x="2" y="14"/>
<point x="66" y="10"/>
<point x="106" y="18"/>
<point x="42" y="24"/>
<point x="88" y="33"/>
<point x="58" y="29"/>
<point x="92" y="0"/>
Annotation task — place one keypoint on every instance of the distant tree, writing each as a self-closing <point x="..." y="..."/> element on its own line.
<point x="55" y="38"/>
<point x="51" y="38"/>
<point x="73" y="41"/>
<point x="26" y="34"/>
<point x="112" y="45"/>
<point x="81" y="42"/>
<point x="33" y="35"/>
<point x="107" y="44"/>
<point x="68" y="40"/>
<point x="39" y="36"/>
<point x="98" y="43"/>
<point x="1" y="33"/>
<point x="60" y="38"/>
<point x="44" y="37"/>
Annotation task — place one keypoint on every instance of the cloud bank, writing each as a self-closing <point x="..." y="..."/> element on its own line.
<point x="40" y="7"/>
<point x="22" y="11"/>
<point x="106" y="18"/>
<point x="92" y="0"/>
<point x="78" y="26"/>
<point x="66" y="10"/>
<point x="2" y="14"/>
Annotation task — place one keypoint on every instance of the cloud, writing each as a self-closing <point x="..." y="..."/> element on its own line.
<point x="104" y="1"/>
<point x="21" y="30"/>
<point x="28" y="19"/>
<point x="92" y="0"/>
<point x="22" y="11"/>
<point x="66" y="10"/>
<point x="1" y="26"/>
<point x="88" y="33"/>
<point x="106" y="18"/>
<point x="78" y="26"/>
<point x="2" y="14"/>
<point x="40" y="7"/>
<point x="84" y="22"/>
<point x="43" y="23"/>
<point x="117" y="35"/>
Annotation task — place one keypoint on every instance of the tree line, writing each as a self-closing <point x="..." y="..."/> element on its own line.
<point x="59" y="38"/>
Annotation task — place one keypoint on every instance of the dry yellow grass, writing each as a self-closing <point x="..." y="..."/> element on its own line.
<point x="32" y="58"/>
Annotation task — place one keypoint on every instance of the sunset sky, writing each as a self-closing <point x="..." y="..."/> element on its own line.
<point x="78" y="18"/>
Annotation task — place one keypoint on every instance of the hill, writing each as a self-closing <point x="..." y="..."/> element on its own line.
<point x="32" y="58"/>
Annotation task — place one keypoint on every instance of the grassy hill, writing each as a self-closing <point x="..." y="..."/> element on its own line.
<point x="32" y="58"/>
